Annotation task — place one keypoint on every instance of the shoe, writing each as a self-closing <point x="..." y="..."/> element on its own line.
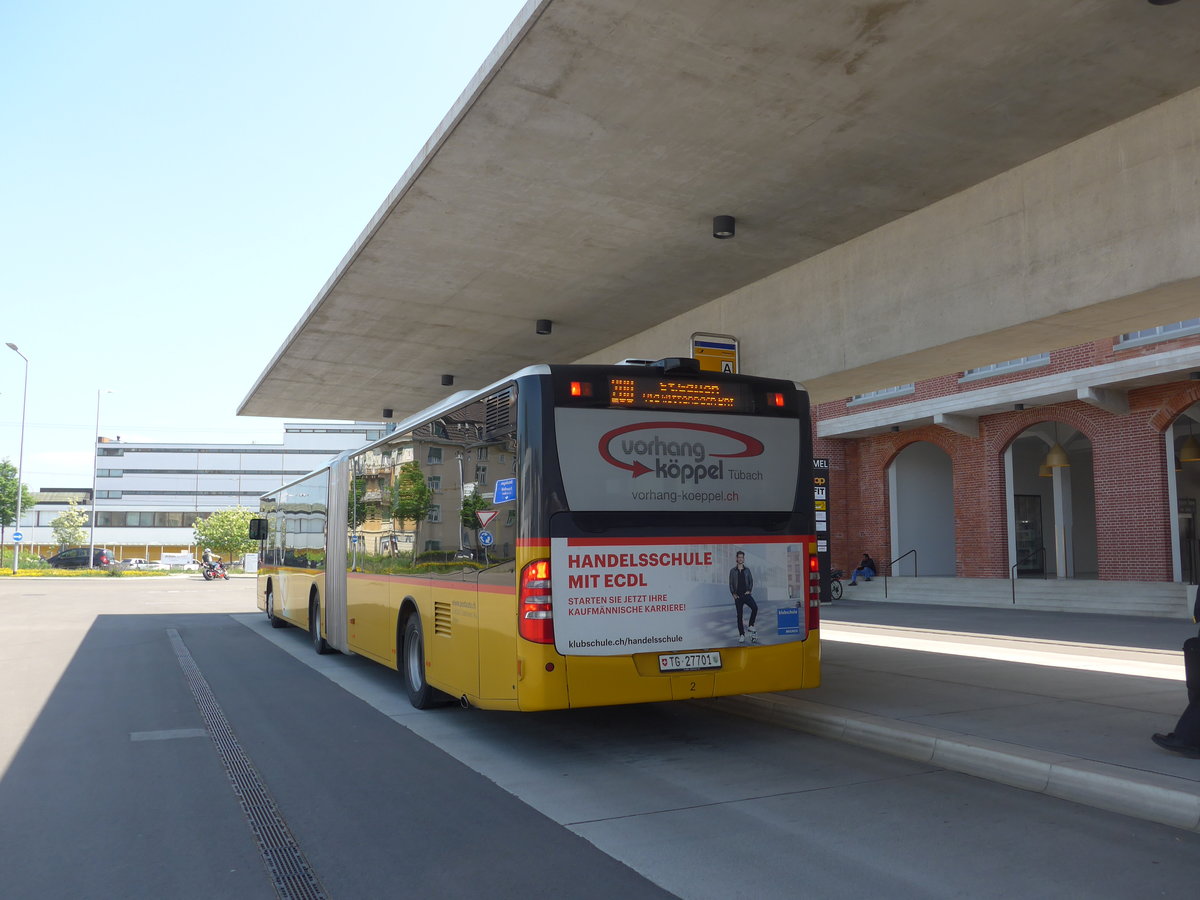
<point x="741" y="639"/>
<point x="752" y="629"/>
<point x="1174" y="744"/>
<point x="754" y="638"/>
<point x="868" y="579"/>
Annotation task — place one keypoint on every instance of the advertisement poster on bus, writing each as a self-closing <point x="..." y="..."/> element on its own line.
<point x="634" y="460"/>
<point x="624" y="595"/>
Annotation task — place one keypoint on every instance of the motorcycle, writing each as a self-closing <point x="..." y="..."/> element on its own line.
<point x="214" y="570"/>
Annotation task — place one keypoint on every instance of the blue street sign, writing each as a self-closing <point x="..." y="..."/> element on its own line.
<point x="506" y="490"/>
<point x="354" y="538"/>
<point x="486" y="539"/>
<point x="18" y="537"/>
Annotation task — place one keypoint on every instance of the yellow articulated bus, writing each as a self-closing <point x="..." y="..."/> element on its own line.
<point x="569" y="536"/>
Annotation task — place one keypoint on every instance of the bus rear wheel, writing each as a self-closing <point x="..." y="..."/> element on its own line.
<point x="314" y="626"/>
<point x="412" y="665"/>
<point x="275" y="621"/>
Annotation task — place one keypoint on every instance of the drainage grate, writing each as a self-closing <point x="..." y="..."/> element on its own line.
<point x="293" y="876"/>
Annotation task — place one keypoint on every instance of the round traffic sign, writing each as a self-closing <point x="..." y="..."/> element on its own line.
<point x="486" y="539"/>
<point x="18" y="537"/>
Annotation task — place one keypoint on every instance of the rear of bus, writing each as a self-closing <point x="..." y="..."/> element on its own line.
<point x="643" y="484"/>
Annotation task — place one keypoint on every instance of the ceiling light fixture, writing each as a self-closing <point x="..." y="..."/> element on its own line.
<point x="1189" y="450"/>
<point x="723" y="227"/>
<point x="544" y="326"/>
<point x="1057" y="457"/>
<point x="447" y="380"/>
<point x="387" y="412"/>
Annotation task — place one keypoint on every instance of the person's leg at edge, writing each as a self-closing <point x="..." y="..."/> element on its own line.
<point x="1185" y="738"/>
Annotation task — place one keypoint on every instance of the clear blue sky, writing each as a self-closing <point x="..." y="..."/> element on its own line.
<point x="177" y="181"/>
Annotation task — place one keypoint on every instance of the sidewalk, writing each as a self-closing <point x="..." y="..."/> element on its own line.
<point x="1059" y="703"/>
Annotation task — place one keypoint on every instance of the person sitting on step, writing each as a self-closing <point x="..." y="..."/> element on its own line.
<point x="866" y="568"/>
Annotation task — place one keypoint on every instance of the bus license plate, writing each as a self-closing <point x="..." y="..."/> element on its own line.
<point x="680" y="662"/>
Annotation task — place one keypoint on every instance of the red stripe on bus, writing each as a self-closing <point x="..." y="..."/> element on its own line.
<point x="435" y="582"/>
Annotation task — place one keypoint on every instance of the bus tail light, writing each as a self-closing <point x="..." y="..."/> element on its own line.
<point x="775" y="399"/>
<point x="812" y="614"/>
<point x="535" y="618"/>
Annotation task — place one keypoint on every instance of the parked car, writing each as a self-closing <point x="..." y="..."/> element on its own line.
<point x="77" y="558"/>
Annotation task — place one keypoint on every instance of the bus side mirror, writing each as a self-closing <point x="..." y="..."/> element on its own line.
<point x="258" y="529"/>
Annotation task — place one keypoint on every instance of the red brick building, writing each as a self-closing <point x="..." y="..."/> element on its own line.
<point x="1078" y="464"/>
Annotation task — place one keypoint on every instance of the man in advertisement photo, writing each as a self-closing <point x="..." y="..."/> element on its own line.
<point x="741" y="583"/>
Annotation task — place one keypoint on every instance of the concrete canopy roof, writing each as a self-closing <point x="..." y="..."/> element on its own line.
<point x="577" y="177"/>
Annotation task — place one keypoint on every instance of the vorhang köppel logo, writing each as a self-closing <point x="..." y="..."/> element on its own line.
<point x="676" y="451"/>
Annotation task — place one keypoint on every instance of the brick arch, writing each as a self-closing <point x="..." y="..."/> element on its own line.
<point x="1079" y="419"/>
<point x="1172" y="407"/>
<point x="946" y="441"/>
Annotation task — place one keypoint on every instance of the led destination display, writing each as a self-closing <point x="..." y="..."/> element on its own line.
<point x="660" y="393"/>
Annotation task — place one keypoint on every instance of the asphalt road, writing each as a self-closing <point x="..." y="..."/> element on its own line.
<point x="113" y="786"/>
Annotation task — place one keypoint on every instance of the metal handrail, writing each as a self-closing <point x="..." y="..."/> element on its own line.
<point x="913" y="554"/>
<point x="1012" y="572"/>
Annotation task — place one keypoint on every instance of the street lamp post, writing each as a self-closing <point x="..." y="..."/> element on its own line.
<point x="95" y="466"/>
<point x="20" y="458"/>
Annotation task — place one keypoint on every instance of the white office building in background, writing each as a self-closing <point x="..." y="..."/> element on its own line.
<point x="148" y="495"/>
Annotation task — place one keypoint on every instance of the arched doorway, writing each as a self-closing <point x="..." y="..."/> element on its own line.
<point x="1051" y="503"/>
<point x="921" y="482"/>
<point x="1184" y="438"/>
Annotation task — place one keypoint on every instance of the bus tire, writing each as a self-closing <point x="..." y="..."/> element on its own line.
<point x="275" y="621"/>
<point x="314" y="625"/>
<point x="412" y="665"/>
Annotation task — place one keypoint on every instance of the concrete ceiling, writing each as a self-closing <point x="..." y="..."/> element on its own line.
<point x="577" y="177"/>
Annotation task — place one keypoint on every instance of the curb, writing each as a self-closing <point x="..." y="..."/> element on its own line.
<point x="1144" y="795"/>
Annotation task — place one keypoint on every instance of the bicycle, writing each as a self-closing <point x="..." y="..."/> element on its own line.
<point x="835" y="584"/>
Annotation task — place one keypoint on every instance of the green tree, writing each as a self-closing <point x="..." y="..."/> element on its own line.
<point x="356" y="509"/>
<point x="8" y="500"/>
<point x="471" y="504"/>
<point x="69" y="526"/>
<point x="411" y="499"/>
<point x="226" y="532"/>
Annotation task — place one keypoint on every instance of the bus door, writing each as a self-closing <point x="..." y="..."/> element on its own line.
<point x="485" y="513"/>
<point x="376" y="551"/>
